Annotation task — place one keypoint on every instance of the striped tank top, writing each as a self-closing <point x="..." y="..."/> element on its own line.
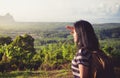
<point x="81" y="57"/>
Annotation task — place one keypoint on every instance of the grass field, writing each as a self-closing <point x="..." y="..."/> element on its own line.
<point x="45" y="74"/>
<point x="38" y="74"/>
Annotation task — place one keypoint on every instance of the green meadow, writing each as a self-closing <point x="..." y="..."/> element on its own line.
<point x="45" y="49"/>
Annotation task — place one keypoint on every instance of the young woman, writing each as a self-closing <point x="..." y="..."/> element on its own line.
<point x="87" y="42"/>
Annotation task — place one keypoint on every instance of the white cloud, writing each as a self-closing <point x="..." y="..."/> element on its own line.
<point x="60" y="10"/>
<point x="107" y="8"/>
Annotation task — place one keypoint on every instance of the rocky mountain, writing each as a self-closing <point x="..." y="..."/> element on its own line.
<point x="8" y="18"/>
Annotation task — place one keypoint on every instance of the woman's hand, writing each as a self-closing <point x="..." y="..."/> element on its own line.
<point x="71" y="28"/>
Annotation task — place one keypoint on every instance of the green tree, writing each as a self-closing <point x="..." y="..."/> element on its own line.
<point x="5" y="40"/>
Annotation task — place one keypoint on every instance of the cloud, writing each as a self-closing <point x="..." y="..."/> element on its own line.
<point x="60" y="10"/>
<point x="107" y="9"/>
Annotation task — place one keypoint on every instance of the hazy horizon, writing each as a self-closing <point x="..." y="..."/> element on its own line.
<point x="95" y="11"/>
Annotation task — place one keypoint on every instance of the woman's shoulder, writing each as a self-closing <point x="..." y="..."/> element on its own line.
<point x="83" y="57"/>
<point x="83" y="52"/>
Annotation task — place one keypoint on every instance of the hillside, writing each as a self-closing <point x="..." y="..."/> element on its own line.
<point x="49" y="26"/>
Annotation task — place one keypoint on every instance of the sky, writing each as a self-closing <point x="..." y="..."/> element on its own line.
<point x="96" y="11"/>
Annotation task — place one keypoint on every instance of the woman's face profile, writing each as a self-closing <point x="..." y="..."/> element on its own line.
<point x="74" y="36"/>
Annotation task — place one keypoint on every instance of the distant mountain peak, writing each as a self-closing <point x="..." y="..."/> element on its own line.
<point x="8" y="15"/>
<point x="8" y="18"/>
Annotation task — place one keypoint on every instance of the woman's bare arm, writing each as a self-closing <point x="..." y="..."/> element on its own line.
<point x="84" y="71"/>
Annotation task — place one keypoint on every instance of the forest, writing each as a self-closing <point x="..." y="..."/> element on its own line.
<point x="49" y="47"/>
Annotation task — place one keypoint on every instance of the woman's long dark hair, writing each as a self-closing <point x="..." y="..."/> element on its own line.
<point x="86" y="36"/>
